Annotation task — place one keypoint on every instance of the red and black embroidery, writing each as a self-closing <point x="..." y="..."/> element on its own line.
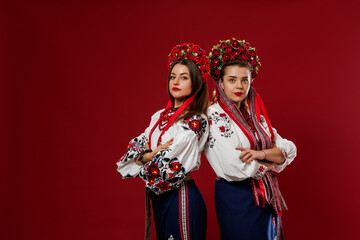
<point x="222" y="118"/>
<point x="197" y="124"/>
<point x="134" y="148"/>
<point x="163" y="174"/>
<point x="153" y="170"/>
<point x="175" y="166"/>
<point x="210" y="140"/>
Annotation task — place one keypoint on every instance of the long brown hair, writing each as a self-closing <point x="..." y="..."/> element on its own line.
<point x="200" y="103"/>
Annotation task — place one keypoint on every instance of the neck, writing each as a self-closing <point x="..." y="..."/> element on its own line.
<point x="178" y="102"/>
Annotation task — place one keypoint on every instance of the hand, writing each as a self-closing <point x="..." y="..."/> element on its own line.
<point x="149" y="156"/>
<point x="249" y="155"/>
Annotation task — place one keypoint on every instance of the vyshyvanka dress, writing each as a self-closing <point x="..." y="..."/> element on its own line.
<point x="178" y="205"/>
<point x="238" y="216"/>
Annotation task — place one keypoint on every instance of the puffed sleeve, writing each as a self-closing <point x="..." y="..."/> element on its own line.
<point x="127" y="166"/>
<point x="169" y="167"/>
<point x="287" y="148"/>
<point x="221" y="150"/>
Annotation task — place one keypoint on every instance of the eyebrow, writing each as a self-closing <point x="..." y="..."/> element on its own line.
<point x="180" y="73"/>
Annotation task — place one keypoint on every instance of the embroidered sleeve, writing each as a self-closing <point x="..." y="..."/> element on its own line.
<point x="221" y="150"/>
<point x="127" y="166"/>
<point x="169" y="167"/>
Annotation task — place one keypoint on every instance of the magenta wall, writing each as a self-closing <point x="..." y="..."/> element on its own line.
<point x="83" y="77"/>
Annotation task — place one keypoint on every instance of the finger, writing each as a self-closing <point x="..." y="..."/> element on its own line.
<point x="240" y="148"/>
<point x="147" y="145"/>
<point x="246" y="157"/>
<point x="243" y="153"/>
<point x="170" y="141"/>
<point x="250" y="159"/>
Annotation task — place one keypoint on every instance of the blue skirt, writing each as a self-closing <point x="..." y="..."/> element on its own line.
<point x="180" y="213"/>
<point x="238" y="216"/>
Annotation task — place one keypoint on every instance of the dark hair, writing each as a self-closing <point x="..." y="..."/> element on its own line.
<point x="239" y="63"/>
<point x="200" y="103"/>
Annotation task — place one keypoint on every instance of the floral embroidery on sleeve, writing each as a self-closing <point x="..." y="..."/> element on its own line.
<point x="162" y="174"/>
<point x="210" y="140"/>
<point x="260" y="172"/>
<point x="135" y="147"/>
<point x="197" y="124"/>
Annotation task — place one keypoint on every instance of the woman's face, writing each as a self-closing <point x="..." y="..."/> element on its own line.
<point x="180" y="83"/>
<point x="236" y="83"/>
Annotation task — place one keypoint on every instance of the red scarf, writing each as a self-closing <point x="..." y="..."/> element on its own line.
<point x="265" y="189"/>
<point x="177" y="113"/>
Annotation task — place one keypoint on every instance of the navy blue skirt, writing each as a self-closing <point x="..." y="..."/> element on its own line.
<point x="180" y="213"/>
<point x="238" y="216"/>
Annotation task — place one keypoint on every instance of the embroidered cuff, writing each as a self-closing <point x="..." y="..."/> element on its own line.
<point x="260" y="172"/>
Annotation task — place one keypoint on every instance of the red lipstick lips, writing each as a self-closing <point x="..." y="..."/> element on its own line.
<point x="238" y="94"/>
<point x="175" y="89"/>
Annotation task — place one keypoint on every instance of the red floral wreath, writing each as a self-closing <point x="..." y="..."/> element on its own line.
<point x="232" y="50"/>
<point x="192" y="52"/>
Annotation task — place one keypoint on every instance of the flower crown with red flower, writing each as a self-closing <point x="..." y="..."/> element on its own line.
<point x="230" y="50"/>
<point x="192" y="52"/>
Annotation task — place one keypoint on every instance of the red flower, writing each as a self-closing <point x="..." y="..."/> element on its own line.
<point x="183" y="46"/>
<point x="216" y="74"/>
<point x="210" y="121"/>
<point x="235" y="43"/>
<point x="244" y="57"/>
<point x="228" y="50"/>
<point x="222" y="129"/>
<point x="195" y="48"/>
<point x="150" y="180"/>
<point x="163" y="185"/>
<point x="153" y="170"/>
<point x="224" y="44"/>
<point x="216" y="53"/>
<point x="226" y="57"/>
<point x="175" y="166"/>
<point x="215" y="62"/>
<point x="254" y="63"/>
<point x="195" y="125"/>
<point x="222" y="114"/>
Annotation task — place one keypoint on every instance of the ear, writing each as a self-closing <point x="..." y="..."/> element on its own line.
<point x="221" y="84"/>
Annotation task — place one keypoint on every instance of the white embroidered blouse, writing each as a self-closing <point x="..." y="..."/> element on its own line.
<point x="169" y="167"/>
<point x="225" y="136"/>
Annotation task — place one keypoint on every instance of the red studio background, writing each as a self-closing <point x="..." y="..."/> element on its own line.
<point x="83" y="77"/>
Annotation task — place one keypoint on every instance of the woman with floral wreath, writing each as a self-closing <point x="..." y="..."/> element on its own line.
<point x="243" y="149"/>
<point x="170" y="148"/>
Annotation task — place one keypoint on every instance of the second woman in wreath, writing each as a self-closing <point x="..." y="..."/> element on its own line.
<point x="243" y="148"/>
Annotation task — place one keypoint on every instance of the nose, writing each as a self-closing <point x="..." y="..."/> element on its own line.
<point x="239" y="84"/>
<point x="176" y="81"/>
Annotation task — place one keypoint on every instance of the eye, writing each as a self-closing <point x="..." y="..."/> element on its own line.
<point x="232" y="80"/>
<point x="245" y="80"/>
<point x="172" y="78"/>
<point x="184" y="78"/>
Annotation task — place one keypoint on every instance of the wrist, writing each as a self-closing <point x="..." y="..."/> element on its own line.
<point x="265" y="155"/>
<point x="142" y="157"/>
